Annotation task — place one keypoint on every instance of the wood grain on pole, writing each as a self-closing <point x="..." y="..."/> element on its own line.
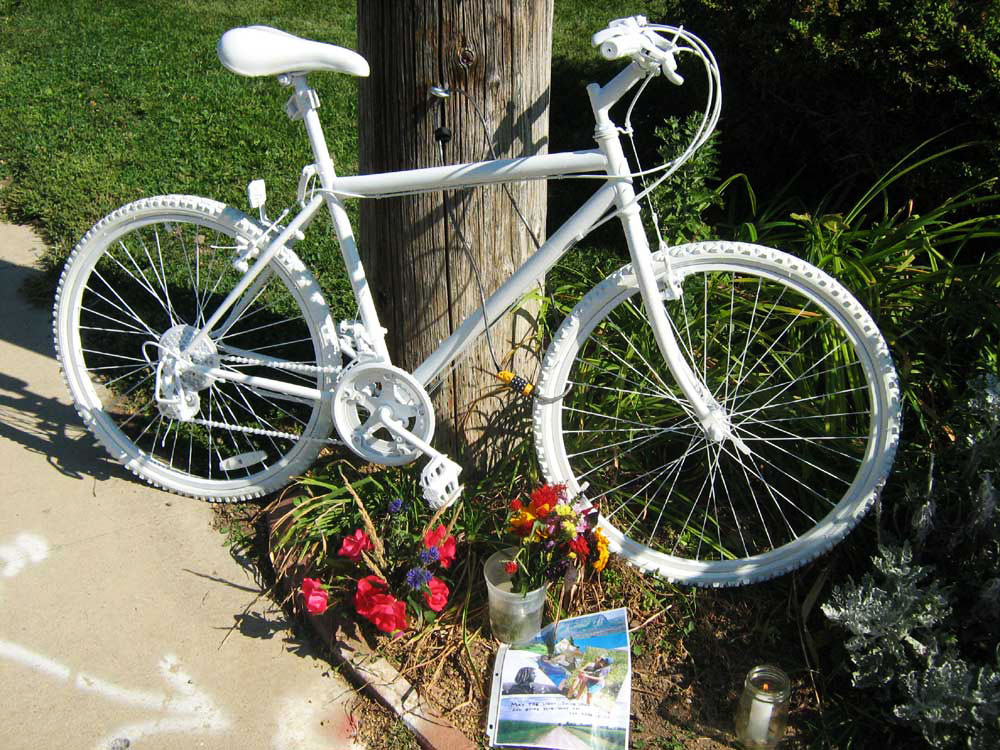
<point x="499" y="54"/>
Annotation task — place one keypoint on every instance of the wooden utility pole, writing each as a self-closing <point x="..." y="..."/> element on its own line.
<point x="494" y="55"/>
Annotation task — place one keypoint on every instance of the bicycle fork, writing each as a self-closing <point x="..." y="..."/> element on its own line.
<point x="710" y="413"/>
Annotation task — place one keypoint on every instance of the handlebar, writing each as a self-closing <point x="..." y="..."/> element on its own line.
<point x="631" y="37"/>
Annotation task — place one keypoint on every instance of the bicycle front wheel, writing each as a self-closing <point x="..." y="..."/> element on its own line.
<point x="806" y="418"/>
<point x="132" y="295"/>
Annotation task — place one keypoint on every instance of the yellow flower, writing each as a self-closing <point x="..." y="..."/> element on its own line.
<point x="568" y="529"/>
<point x="537" y="533"/>
<point x="602" y="551"/>
<point x="563" y="510"/>
<point x="602" y="559"/>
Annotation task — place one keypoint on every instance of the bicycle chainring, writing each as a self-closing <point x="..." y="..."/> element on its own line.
<point x="369" y="393"/>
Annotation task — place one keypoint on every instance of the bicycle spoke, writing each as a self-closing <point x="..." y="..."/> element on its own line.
<point x="787" y="373"/>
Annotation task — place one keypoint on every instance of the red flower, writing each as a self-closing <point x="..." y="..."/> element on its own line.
<point x="433" y="537"/>
<point x="368" y="587"/>
<point x="446" y="548"/>
<point x="388" y="614"/>
<point x="545" y="498"/>
<point x="510" y="567"/>
<point x="383" y="610"/>
<point x="516" y="505"/>
<point x="446" y="552"/>
<point x="438" y="596"/>
<point x="579" y="546"/>
<point x="355" y="544"/>
<point x="315" y="596"/>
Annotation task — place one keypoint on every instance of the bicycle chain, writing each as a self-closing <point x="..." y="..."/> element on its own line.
<point x="258" y="431"/>
<point x="299" y="366"/>
<point x="296" y="366"/>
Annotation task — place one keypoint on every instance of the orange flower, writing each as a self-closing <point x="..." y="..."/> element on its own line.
<point x="522" y="522"/>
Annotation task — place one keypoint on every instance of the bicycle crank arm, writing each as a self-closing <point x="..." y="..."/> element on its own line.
<point x="439" y="478"/>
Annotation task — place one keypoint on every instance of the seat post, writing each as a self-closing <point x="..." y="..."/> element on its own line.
<point x="302" y="106"/>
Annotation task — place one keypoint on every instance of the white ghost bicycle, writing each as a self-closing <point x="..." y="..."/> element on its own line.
<point x="731" y="410"/>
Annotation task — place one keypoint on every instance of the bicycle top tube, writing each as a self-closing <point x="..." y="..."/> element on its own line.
<point x="543" y="166"/>
<point x="456" y="176"/>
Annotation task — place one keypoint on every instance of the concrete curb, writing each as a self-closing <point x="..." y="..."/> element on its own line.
<point x="377" y="677"/>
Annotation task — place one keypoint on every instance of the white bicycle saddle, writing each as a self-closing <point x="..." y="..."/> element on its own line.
<point x="264" y="51"/>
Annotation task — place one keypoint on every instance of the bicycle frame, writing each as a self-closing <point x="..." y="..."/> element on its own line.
<point x="615" y="193"/>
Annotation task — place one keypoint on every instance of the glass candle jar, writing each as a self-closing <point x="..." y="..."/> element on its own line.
<point x="763" y="711"/>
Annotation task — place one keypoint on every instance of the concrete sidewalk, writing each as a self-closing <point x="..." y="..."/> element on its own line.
<point x="116" y="598"/>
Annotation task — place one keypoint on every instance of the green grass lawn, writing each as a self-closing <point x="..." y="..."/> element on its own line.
<point x="104" y="103"/>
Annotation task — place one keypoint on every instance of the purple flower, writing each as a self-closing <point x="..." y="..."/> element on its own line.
<point x="430" y="555"/>
<point x="417" y="578"/>
<point x="395" y="505"/>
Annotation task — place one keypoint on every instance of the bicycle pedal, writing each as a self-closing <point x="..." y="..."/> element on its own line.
<point x="439" y="480"/>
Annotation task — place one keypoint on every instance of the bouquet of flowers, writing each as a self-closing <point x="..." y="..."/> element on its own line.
<point x="554" y="536"/>
<point x="396" y="575"/>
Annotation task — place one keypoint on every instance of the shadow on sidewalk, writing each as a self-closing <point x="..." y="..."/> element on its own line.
<point x="45" y="426"/>
<point x="26" y="307"/>
<point x="42" y="424"/>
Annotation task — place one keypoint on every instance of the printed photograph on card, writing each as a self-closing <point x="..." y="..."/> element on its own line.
<point x="569" y="688"/>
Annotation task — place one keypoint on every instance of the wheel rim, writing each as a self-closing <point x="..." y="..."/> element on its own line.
<point x="673" y="498"/>
<point x="160" y="275"/>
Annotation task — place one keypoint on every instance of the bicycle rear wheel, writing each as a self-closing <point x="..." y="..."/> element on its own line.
<point x="799" y="371"/>
<point x="136" y="288"/>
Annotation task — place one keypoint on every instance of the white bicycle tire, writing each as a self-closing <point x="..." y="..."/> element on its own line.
<point x="181" y="212"/>
<point x="845" y="318"/>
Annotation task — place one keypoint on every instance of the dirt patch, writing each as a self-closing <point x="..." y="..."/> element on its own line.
<point x="690" y="653"/>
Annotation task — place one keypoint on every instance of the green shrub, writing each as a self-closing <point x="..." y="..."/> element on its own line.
<point x="847" y="86"/>
<point x="924" y="624"/>
<point x="684" y="199"/>
<point x="925" y="637"/>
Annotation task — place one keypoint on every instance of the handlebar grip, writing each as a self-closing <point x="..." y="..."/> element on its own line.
<point x="620" y="46"/>
<point x="597" y="39"/>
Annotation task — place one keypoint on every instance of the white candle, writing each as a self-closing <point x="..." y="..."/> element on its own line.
<point x="759" y="721"/>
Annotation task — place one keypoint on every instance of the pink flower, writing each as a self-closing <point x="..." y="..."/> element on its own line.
<point x="438" y="596"/>
<point x="446" y="547"/>
<point x="355" y="544"/>
<point x="315" y="596"/>
<point x="368" y="587"/>
<point x="388" y="614"/>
